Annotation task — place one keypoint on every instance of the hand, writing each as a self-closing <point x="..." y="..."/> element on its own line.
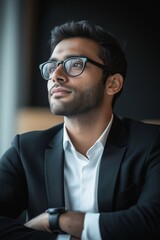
<point x="40" y="222"/>
<point x="72" y="223"/>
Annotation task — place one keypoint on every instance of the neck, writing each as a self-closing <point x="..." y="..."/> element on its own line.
<point x="84" y="130"/>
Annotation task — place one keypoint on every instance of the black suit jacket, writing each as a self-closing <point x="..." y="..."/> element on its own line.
<point x="31" y="177"/>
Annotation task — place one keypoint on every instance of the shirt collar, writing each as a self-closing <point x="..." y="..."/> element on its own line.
<point x="102" y="139"/>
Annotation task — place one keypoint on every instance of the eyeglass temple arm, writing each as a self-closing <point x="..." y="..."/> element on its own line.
<point x="100" y="65"/>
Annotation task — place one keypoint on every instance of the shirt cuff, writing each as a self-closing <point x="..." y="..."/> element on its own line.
<point x="63" y="237"/>
<point x="91" y="229"/>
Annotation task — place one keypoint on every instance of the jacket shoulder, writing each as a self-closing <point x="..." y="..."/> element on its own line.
<point x="36" y="139"/>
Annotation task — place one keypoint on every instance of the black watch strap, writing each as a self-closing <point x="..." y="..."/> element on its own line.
<point x="54" y="214"/>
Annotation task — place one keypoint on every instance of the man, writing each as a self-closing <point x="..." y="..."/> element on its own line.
<point x="96" y="176"/>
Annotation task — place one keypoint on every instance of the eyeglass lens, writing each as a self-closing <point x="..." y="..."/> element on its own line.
<point x="72" y="66"/>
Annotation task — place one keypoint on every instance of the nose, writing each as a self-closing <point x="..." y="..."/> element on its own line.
<point x="59" y="74"/>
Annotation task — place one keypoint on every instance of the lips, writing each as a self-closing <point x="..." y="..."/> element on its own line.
<point x="59" y="91"/>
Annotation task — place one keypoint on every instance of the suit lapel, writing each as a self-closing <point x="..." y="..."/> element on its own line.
<point x="54" y="171"/>
<point x="110" y="164"/>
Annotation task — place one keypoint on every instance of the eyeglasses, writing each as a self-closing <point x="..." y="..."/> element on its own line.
<point x="73" y="66"/>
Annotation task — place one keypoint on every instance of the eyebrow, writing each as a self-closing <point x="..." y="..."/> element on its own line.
<point x="68" y="56"/>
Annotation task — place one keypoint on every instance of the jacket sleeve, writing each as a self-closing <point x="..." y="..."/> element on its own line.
<point x="11" y="229"/>
<point x="143" y="218"/>
<point x="13" y="199"/>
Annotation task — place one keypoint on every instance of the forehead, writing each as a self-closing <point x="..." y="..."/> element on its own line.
<point x="76" y="46"/>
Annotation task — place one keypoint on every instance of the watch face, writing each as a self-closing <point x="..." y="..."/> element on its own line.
<point x="56" y="210"/>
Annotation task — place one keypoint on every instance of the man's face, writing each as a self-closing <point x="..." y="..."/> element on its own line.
<point x="71" y="96"/>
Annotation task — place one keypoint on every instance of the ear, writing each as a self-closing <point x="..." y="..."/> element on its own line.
<point x="114" y="84"/>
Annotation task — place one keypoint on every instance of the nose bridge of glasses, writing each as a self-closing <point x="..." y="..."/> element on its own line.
<point x="59" y="62"/>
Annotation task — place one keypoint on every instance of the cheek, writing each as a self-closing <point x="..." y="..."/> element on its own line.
<point x="49" y="85"/>
<point x="92" y="75"/>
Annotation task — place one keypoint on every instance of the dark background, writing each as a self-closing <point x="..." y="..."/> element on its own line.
<point x="135" y="24"/>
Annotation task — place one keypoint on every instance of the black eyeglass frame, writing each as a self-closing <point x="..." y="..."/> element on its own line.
<point x="84" y="59"/>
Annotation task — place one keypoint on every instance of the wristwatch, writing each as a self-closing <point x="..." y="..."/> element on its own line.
<point x="54" y="214"/>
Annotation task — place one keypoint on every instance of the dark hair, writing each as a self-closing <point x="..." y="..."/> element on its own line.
<point x="111" y="51"/>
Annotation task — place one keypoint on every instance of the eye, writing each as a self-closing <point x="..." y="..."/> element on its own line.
<point x="51" y="70"/>
<point x="51" y="67"/>
<point x="77" y="63"/>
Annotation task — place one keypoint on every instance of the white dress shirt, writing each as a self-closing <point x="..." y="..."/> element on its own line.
<point x="81" y="182"/>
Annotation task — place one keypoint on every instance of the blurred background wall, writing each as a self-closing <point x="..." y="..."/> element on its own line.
<point x="25" y="27"/>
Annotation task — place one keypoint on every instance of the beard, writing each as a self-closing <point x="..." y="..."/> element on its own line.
<point x="82" y="102"/>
